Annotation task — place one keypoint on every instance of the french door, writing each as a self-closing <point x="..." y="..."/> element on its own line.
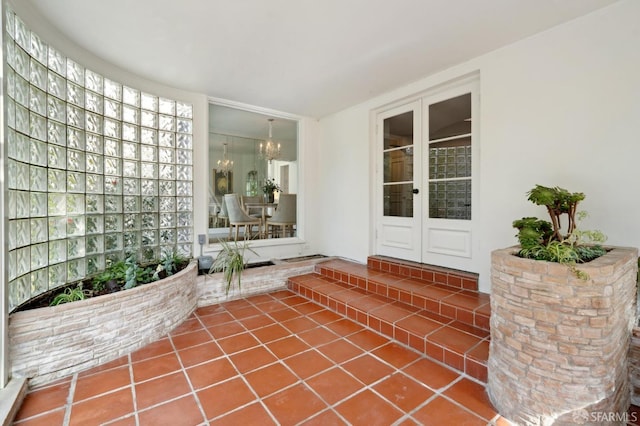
<point x="427" y="163"/>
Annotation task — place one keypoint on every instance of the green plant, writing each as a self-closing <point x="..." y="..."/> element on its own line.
<point x="231" y="261"/>
<point x="116" y="271"/>
<point x="135" y="274"/>
<point x="543" y="240"/>
<point x="169" y="263"/>
<point x="270" y="186"/>
<point x="69" y="295"/>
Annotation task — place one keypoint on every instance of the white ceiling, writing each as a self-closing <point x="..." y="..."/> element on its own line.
<point x="307" y="57"/>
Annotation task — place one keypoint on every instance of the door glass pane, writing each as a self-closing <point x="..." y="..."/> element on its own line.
<point x="398" y="200"/>
<point x="450" y="118"/>
<point x="450" y="199"/>
<point x="398" y="165"/>
<point x="398" y="130"/>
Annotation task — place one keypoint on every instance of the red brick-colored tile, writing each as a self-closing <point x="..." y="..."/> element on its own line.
<point x="334" y="385"/>
<point x="367" y="339"/>
<point x="325" y="418"/>
<point x="285" y="314"/>
<point x="42" y="400"/>
<point x="344" y="327"/>
<point x="199" y="354"/>
<point x="51" y="418"/>
<point x="186" y="340"/>
<point x="158" y="390"/>
<point x="340" y="350"/>
<point x="270" y="333"/>
<point x="253" y="323"/>
<point x="96" y="384"/>
<point x="253" y="414"/>
<point x="210" y="373"/>
<point x="157" y="348"/>
<point x="224" y="397"/>
<point x="270" y="379"/>
<point x="220" y="331"/>
<point x="430" y="373"/>
<point x="298" y="325"/>
<point x="189" y="325"/>
<point x="453" y="339"/>
<point x="318" y="336"/>
<point x="367" y="368"/>
<point x="292" y="405"/>
<point x="472" y="396"/>
<point x="307" y="364"/>
<point x="367" y="408"/>
<point x="183" y="411"/>
<point x="154" y="367"/>
<point x="237" y="342"/>
<point x="442" y="411"/>
<point x="103" y="408"/>
<point x="286" y="347"/>
<point x="218" y="318"/>
<point x="119" y="362"/>
<point x="404" y="392"/>
<point x="396" y="355"/>
<point x="252" y="359"/>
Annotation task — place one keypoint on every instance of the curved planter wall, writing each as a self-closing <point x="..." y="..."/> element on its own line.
<point x="49" y="343"/>
<point x="559" y="344"/>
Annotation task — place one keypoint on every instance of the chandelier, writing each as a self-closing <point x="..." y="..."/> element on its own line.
<point x="225" y="165"/>
<point x="270" y="150"/>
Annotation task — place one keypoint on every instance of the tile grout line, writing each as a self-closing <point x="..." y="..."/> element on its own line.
<point x="70" y="396"/>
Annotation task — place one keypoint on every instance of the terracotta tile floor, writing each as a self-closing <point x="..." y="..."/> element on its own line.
<point x="269" y="359"/>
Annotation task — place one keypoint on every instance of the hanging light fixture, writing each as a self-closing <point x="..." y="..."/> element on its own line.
<point x="269" y="150"/>
<point x="225" y="165"/>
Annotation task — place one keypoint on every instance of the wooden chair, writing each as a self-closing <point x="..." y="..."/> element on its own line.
<point x="284" y="217"/>
<point x="238" y="217"/>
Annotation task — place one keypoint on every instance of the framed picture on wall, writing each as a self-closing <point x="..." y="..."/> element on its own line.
<point x="222" y="183"/>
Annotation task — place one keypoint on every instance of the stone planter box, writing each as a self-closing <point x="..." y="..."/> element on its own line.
<point x="559" y="344"/>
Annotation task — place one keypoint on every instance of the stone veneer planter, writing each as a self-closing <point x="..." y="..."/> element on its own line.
<point x="559" y="344"/>
<point x="49" y="343"/>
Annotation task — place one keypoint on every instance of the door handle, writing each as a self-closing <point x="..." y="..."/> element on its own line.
<point x="415" y="190"/>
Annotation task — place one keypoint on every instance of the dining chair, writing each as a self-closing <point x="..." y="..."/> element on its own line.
<point x="284" y="218"/>
<point x="223" y="214"/>
<point x="238" y="217"/>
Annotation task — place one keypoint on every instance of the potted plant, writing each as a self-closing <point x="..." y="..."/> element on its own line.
<point x="231" y="261"/>
<point x="269" y="187"/>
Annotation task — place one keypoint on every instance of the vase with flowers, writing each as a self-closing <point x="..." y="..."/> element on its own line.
<point x="269" y="187"/>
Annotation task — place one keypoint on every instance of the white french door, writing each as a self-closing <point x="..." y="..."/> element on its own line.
<point x="426" y="168"/>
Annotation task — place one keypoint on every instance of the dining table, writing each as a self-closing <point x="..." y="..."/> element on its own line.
<point x="264" y="210"/>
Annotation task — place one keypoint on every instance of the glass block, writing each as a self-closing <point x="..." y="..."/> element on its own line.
<point x="167" y="188"/>
<point x="10" y="21"/>
<point x="56" y="132"/>
<point x="148" y="187"/>
<point x="130" y="168"/>
<point x="167" y="220"/>
<point x="38" y="204"/>
<point x="75" y="204"/>
<point x="39" y="256"/>
<point x="167" y="171"/>
<point x="21" y="63"/>
<point x="11" y="113"/>
<point x="184" y="219"/>
<point x="130" y="114"/>
<point x="57" y="274"/>
<point x="167" y="106"/>
<point x="94" y="184"/>
<point x="75" y="160"/>
<point x="130" y="132"/>
<point x="149" y="204"/>
<point x="112" y="166"/>
<point x="22" y="91"/>
<point x="11" y="174"/>
<point x="38" y="75"/>
<point x="185" y="250"/>
<point x="166" y="155"/>
<point x="185" y="235"/>
<point x="22" y="148"/>
<point x="112" y="204"/>
<point x="131" y="240"/>
<point x="75" y="226"/>
<point x="148" y="102"/>
<point x="76" y="269"/>
<point x="22" y="232"/>
<point x="131" y="203"/>
<point x="75" y="248"/>
<point x="22" y="176"/>
<point x="13" y="234"/>
<point x="93" y="123"/>
<point x="130" y="186"/>
<point x="21" y="204"/>
<point x="94" y="163"/>
<point x="93" y="81"/>
<point x="111" y="147"/>
<point x="94" y="102"/>
<point x="57" y="180"/>
<point x="94" y="203"/>
<point x="75" y="182"/>
<point x="184" y="126"/>
<point x="11" y="82"/>
<point x="12" y="144"/>
<point x="94" y="143"/>
<point x="18" y="292"/>
<point x="56" y="85"/>
<point x="149" y="170"/>
<point x="184" y="188"/>
<point x="149" y="254"/>
<point x="37" y="127"/>
<point x="131" y="221"/>
<point x="95" y="244"/>
<point x="22" y="34"/>
<point x="184" y="172"/>
<point x="148" y="153"/>
<point x="112" y="242"/>
<point x="149" y="237"/>
<point x="149" y="119"/>
<point x="112" y="109"/>
<point x="75" y="72"/>
<point x="184" y="110"/>
<point x="22" y="119"/>
<point x="168" y="204"/>
<point x="130" y="96"/>
<point x="166" y="139"/>
<point x="184" y="204"/>
<point x="112" y="128"/>
<point x="112" y="185"/>
<point x="56" y="61"/>
<point x="184" y="156"/>
<point x="112" y="89"/>
<point x="23" y="260"/>
<point x="94" y="224"/>
<point x="11" y="53"/>
<point x="37" y="178"/>
<point x="56" y="204"/>
<point x="38" y="49"/>
<point x="39" y="282"/>
<point x="11" y="266"/>
<point x="166" y="123"/>
<point x="167" y="236"/>
<point x="148" y="136"/>
<point x="112" y="257"/>
<point x="129" y="150"/>
<point x="38" y="101"/>
<point x="75" y="94"/>
<point x="149" y="221"/>
<point x="95" y="264"/>
<point x="75" y="116"/>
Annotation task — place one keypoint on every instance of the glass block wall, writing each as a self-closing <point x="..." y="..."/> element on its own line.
<point x="97" y="171"/>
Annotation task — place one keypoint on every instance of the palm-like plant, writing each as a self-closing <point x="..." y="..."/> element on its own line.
<point x="231" y="261"/>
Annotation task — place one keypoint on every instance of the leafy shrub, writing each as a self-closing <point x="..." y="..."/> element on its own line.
<point x="69" y="295"/>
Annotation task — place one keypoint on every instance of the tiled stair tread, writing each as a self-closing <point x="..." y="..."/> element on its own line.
<point x="454" y="342"/>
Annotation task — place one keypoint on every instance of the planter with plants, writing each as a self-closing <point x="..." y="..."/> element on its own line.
<point x="270" y="186"/>
<point x="562" y="307"/>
